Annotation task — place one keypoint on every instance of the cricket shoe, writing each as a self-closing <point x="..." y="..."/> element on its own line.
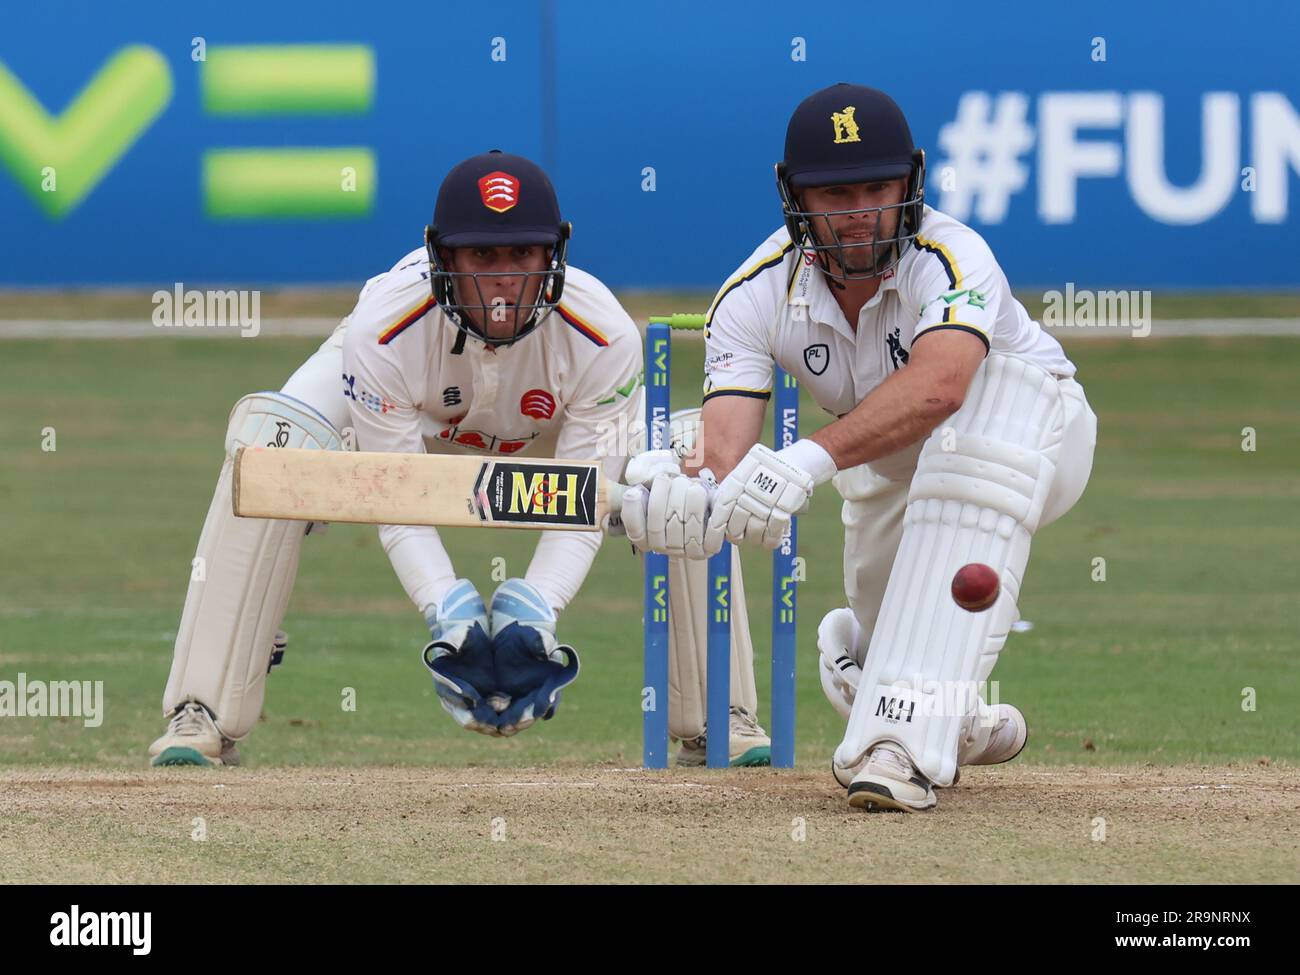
<point x="1004" y="742"/>
<point x="193" y="738"/>
<point x="1001" y="742"/>
<point x="890" y="782"/>
<point x="749" y="745"/>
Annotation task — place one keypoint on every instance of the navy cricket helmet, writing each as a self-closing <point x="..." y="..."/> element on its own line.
<point x="850" y="134"/>
<point x="496" y="199"/>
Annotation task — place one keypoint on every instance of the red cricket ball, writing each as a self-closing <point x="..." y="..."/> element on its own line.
<point x="975" y="587"/>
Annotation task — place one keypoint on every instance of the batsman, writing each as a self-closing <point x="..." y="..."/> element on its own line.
<point x="960" y="432"/>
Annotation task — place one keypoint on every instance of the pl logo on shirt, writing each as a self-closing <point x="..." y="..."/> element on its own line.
<point x="817" y="358"/>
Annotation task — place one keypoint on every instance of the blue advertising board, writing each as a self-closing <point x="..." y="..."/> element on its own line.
<point x="1108" y="144"/>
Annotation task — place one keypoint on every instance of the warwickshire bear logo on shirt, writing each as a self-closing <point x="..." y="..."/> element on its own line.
<point x="896" y="351"/>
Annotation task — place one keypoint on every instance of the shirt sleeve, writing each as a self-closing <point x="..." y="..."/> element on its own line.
<point x="598" y="419"/>
<point x="959" y="286"/>
<point x="738" y="357"/>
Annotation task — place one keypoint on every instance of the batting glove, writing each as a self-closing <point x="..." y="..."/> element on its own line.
<point x="641" y="472"/>
<point x="757" y="500"/>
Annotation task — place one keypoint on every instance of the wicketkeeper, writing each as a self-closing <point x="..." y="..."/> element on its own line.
<point x="485" y="341"/>
<point x="961" y="432"/>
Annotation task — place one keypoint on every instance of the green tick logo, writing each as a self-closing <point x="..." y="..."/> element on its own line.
<point x="974" y="298"/>
<point x="59" y="160"/>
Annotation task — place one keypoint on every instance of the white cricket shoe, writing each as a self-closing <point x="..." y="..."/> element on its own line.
<point x="193" y="738"/>
<point x="749" y="745"/>
<point x="1003" y="742"/>
<point x="889" y="781"/>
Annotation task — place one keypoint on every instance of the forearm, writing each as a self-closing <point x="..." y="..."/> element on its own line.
<point x="421" y="563"/>
<point x="897" y="413"/>
<point x="729" y="426"/>
<point x="560" y="563"/>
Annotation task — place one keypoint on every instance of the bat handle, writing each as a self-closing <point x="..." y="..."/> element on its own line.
<point x="614" y="494"/>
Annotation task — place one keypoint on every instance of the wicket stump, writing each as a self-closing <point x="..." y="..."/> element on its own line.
<point x="654" y="700"/>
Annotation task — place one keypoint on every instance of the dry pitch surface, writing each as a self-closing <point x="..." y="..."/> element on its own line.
<point x="1048" y="824"/>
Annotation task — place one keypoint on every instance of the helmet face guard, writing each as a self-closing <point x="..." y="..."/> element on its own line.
<point x="834" y="255"/>
<point x="460" y="292"/>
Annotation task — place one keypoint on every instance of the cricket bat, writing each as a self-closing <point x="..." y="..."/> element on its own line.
<point x="421" y="489"/>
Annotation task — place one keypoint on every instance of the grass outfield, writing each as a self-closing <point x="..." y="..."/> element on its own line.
<point x="1199" y="603"/>
<point x="56" y="304"/>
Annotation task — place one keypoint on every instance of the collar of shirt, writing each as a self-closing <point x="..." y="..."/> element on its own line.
<point x="810" y="289"/>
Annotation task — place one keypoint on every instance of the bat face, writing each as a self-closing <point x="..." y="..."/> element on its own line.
<point x="541" y="494"/>
<point x="419" y="489"/>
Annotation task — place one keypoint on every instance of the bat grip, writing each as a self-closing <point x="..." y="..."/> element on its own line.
<point x="614" y="494"/>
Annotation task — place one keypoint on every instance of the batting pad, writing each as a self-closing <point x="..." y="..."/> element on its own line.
<point x="688" y="646"/>
<point x="242" y="575"/>
<point x="978" y="495"/>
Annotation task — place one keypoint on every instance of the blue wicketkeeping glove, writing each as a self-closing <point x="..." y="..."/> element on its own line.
<point x="531" y="667"/>
<point x="460" y="657"/>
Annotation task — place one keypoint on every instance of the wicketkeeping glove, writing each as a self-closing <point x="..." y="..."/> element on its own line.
<point x="460" y="659"/>
<point x="531" y="666"/>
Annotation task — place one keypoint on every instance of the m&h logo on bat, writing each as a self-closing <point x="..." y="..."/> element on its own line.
<point x="538" y="494"/>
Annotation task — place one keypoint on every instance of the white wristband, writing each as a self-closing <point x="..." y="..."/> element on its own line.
<point x="809" y="455"/>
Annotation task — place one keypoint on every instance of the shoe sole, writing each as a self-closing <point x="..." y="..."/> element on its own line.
<point x="182" y="755"/>
<point x="760" y="756"/>
<point x="876" y="797"/>
<point x="756" y="757"/>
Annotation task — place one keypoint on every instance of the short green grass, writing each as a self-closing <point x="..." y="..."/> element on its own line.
<point x="47" y="304"/>
<point x="1197" y="612"/>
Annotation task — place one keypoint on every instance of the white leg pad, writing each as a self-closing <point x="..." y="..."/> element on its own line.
<point x="688" y="581"/>
<point x="978" y="495"/>
<point x="688" y="646"/>
<point x="243" y="575"/>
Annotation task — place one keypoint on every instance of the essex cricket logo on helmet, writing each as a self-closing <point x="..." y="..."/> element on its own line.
<point x="500" y="191"/>
<point x="870" y="142"/>
<point x="496" y="200"/>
